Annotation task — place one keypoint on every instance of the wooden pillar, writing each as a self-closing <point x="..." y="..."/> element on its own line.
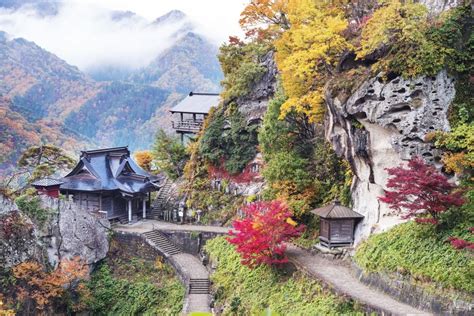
<point x="144" y="207"/>
<point x="182" y="138"/>
<point x="130" y="211"/>
<point x="182" y="116"/>
<point x="194" y="117"/>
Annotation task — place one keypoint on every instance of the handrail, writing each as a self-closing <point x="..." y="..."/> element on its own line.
<point x="190" y="125"/>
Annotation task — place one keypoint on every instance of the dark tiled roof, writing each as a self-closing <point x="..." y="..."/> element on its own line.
<point x="46" y="182"/>
<point x="336" y="210"/>
<point x="108" y="170"/>
<point x="199" y="103"/>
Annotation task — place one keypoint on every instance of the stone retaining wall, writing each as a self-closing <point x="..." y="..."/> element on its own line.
<point x="400" y="287"/>
<point x="139" y="239"/>
<point x="190" y="241"/>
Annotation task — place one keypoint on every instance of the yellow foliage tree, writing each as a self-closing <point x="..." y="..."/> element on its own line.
<point x="398" y="27"/>
<point x="144" y="158"/>
<point x="308" y="53"/>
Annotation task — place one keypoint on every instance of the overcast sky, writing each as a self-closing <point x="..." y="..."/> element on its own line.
<point x="84" y="34"/>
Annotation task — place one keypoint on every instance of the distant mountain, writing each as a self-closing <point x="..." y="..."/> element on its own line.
<point x="42" y="7"/>
<point x="190" y="64"/>
<point x="44" y="99"/>
<point x="117" y="112"/>
<point x="39" y="83"/>
<point x="17" y="133"/>
<point x="171" y="17"/>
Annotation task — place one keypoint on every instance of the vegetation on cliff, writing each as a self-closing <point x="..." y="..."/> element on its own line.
<point x="300" y="167"/>
<point x="244" y="291"/>
<point x="169" y="155"/>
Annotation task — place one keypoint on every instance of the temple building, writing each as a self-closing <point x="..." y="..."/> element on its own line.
<point x="192" y="112"/>
<point x="109" y="182"/>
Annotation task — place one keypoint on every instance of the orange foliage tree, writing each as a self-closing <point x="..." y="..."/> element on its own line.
<point x="265" y="19"/>
<point x="144" y="158"/>
<point x="39" y="289"/>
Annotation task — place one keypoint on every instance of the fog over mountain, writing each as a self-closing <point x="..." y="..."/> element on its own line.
<point x="113" y="88"/>
<point x="90" y="36"/>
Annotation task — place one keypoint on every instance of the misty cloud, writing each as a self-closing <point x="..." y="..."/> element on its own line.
<point x="90" y="36"/>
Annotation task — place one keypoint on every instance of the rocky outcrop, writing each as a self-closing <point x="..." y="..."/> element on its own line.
<point x="75" y="232"/>
<point x="254" y="104"/>
<point x="438" y="6"/>
<point x="382" y="124"/>
<point x="17" y="238"/>
<point x="68" y="232"/>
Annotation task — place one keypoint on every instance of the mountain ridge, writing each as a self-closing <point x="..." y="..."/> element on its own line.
<point x="44" y="90"/>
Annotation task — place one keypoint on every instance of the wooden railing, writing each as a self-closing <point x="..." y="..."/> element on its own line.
<point x="187" y="125"/>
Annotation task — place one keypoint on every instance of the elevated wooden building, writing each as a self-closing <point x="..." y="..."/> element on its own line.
<point x="109" y="182"/>
<point x="337" y="224"/>
<point x="192" y="112"/>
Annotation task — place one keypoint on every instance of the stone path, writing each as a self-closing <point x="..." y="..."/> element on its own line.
<point x="192" y="268"/>
<point x="341" y="280"/>
<point x="148" y="225"/>
<point x="336" y="276"/>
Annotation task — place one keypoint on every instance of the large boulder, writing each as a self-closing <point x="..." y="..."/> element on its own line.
<point x="68" y="232"/>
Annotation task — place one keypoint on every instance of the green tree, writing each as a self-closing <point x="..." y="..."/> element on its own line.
<point x="42" y="161"/>
<point x="169" y="154"/>
<point x="228" y="139"/>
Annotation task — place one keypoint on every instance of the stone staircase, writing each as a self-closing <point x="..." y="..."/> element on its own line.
<point x="199" y="286"/>
<point x="197" y="283"/>
<point x="162" y="242"/>
<point x="160" y="201"/>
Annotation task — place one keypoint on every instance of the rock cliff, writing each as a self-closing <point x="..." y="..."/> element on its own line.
<point x="255" y="103"/>
<point x="68" y="232"/>
<point x="382" y="124"/>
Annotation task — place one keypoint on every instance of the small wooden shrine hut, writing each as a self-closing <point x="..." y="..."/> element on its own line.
<point x="337" y="224"/>
<point x="109" y="182"/>
<point x="192" y="112"/>
<point x="47" y="186"/>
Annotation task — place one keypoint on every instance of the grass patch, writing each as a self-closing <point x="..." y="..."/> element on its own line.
<point x="244" y="291"/>
<point x="420" y="252"/>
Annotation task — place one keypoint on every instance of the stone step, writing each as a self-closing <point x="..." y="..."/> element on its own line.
<point x="199" y="286"/>
<point x="162" y="242"/>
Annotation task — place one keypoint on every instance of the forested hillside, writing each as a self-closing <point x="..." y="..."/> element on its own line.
<point x="45" y="90"/>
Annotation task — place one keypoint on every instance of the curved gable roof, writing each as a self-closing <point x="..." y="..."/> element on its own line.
<point x="109" y="169"/>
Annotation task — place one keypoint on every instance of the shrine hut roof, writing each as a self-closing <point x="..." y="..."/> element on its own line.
<point x="336" y="210"/>
<point x="46" y="182"/>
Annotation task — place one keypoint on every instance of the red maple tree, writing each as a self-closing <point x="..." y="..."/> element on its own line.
<point x="420" y="191"/>
<point x="260" y="237"/>
<point x="219" y="172"/>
